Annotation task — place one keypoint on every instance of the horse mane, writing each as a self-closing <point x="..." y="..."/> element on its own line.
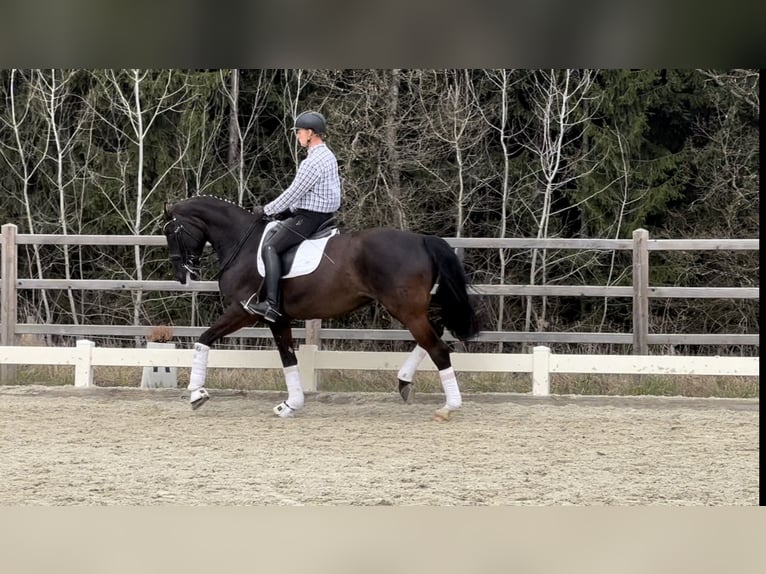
<point x="225" y="200"/>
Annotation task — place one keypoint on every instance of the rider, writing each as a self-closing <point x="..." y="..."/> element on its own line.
<point x="312" y="198"/>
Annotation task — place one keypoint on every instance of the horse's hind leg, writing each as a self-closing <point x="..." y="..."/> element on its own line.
<point x="283" y="337"/>
<point x="407" y="372"/>
<point x="425" y="333"/>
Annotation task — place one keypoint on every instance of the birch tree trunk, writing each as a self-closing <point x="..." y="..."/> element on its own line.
<point x="140" y="116"/>
<point x="51" y="93"/>
<point x="234" y="135"/>
<point x="501" y="79"/>
<point x="393" y="182"/>
<point x="557" y="97"/>
<point x="241" y="134"/>
<point x="24" y="167"/>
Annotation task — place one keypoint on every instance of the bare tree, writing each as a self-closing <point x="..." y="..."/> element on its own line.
<point x="23" y="157"/>
<point x="558" y="98"/>
<point x="500" y="123"/>
<point x="241" y="133"/>
<point x="132" y="115"/>
<point x="741" y="83"/>
<point x="52" y="89"/>
<point x="370" y="109"/>
<point x="453" y="119"/>
<point x="393" y="182"/>
<point x="234" y="131"/>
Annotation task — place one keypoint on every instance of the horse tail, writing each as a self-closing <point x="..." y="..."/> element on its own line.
<point x="451" y="297"/>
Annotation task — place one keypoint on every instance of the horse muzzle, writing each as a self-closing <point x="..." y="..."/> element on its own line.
<point x="188" y="272"/>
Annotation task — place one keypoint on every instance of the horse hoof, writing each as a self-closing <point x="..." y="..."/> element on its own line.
<point x="406" y="391"/>
<point x="442" y="415"/>
<point x="283" y="410"/>
<point x="198" y="398"/>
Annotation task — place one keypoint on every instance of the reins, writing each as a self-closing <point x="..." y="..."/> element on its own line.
<point x="236" y="251"/>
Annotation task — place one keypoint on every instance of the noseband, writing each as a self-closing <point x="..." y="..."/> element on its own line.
<point x="189" y="260"/>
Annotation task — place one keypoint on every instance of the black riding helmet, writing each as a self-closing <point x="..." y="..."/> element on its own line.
<point x="311" y="121"/>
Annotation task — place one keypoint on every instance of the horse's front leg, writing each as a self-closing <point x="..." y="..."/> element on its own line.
<point x="232" y="319"/>
<point x="283" y="337"/>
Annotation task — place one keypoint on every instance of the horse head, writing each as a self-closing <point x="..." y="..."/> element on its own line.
<point x="185" y="243"/>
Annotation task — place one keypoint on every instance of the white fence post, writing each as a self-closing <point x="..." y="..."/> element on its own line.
<point x="307" y="365"/>
<point x="83" y="370"/>
<point x="541" y="386"/>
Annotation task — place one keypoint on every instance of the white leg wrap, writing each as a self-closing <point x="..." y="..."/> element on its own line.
<point x="411" y="364"/>
<point x="199" y="367"/>
<point x="451" y="390"/>
<point x="294" y="388"/>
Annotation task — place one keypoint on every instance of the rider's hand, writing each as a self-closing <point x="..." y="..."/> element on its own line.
<point x="282" y="215"/>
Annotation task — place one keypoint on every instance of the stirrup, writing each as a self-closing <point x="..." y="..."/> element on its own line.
<point x="272" y="315"/>
<point x="198" y="398"/>
<point x="284" y="410"/>
<point x="266" y="310"/>
<point x="262" y="309"/>
<point x="248" y="304"/>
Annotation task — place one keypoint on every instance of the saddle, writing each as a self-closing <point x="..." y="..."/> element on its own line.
<point x="304" y="257"/>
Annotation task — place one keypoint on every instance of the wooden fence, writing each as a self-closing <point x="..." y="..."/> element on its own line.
<point x="640" y="292"/>
<point x="540" y="364"/>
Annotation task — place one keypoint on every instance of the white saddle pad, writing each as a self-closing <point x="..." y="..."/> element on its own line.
<point x="307" y="258"/>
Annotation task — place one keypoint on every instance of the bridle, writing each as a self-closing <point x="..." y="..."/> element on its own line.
<point x="190" y="261"/>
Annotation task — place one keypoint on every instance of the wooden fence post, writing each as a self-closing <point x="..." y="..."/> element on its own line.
<point x="307" y="362"/>
<point x="640" y="292"/>
<point x="312" y="331"/>
<point x="8" y="305"/>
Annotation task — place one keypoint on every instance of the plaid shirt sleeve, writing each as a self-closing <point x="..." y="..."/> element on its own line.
<point x="316" y="186"/>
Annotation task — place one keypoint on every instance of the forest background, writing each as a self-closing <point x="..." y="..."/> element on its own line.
<point x="568" y="153"/>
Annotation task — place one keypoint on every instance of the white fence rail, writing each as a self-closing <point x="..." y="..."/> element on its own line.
<point x="541" y="363"/>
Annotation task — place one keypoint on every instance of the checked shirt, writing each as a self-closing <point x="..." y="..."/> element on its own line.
<point x="316" y="186"/>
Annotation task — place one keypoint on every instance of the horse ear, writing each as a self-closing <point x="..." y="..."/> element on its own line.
<point x="166" y="211"/>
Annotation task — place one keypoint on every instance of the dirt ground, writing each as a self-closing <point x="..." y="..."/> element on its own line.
<point x="125" y="446"/>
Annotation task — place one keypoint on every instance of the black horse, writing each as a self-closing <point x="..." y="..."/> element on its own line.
<point x="396" y="268"/>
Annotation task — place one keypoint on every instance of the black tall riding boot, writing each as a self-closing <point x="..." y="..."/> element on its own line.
<point x="270" y="307"/>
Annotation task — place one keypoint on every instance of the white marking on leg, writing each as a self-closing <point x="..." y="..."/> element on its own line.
<point x="294" y="388"/>
<point x="199" y="367"/>
<point x="407" y="372"/>
<point x="451" y="390"/>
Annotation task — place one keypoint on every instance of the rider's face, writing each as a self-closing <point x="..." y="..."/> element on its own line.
<point x="303" y="136"/>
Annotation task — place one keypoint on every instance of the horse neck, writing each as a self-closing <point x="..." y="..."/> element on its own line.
<point x="225" y="227"/>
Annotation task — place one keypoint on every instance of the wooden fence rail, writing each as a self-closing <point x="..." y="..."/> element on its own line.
<point x="640" y="292"/>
